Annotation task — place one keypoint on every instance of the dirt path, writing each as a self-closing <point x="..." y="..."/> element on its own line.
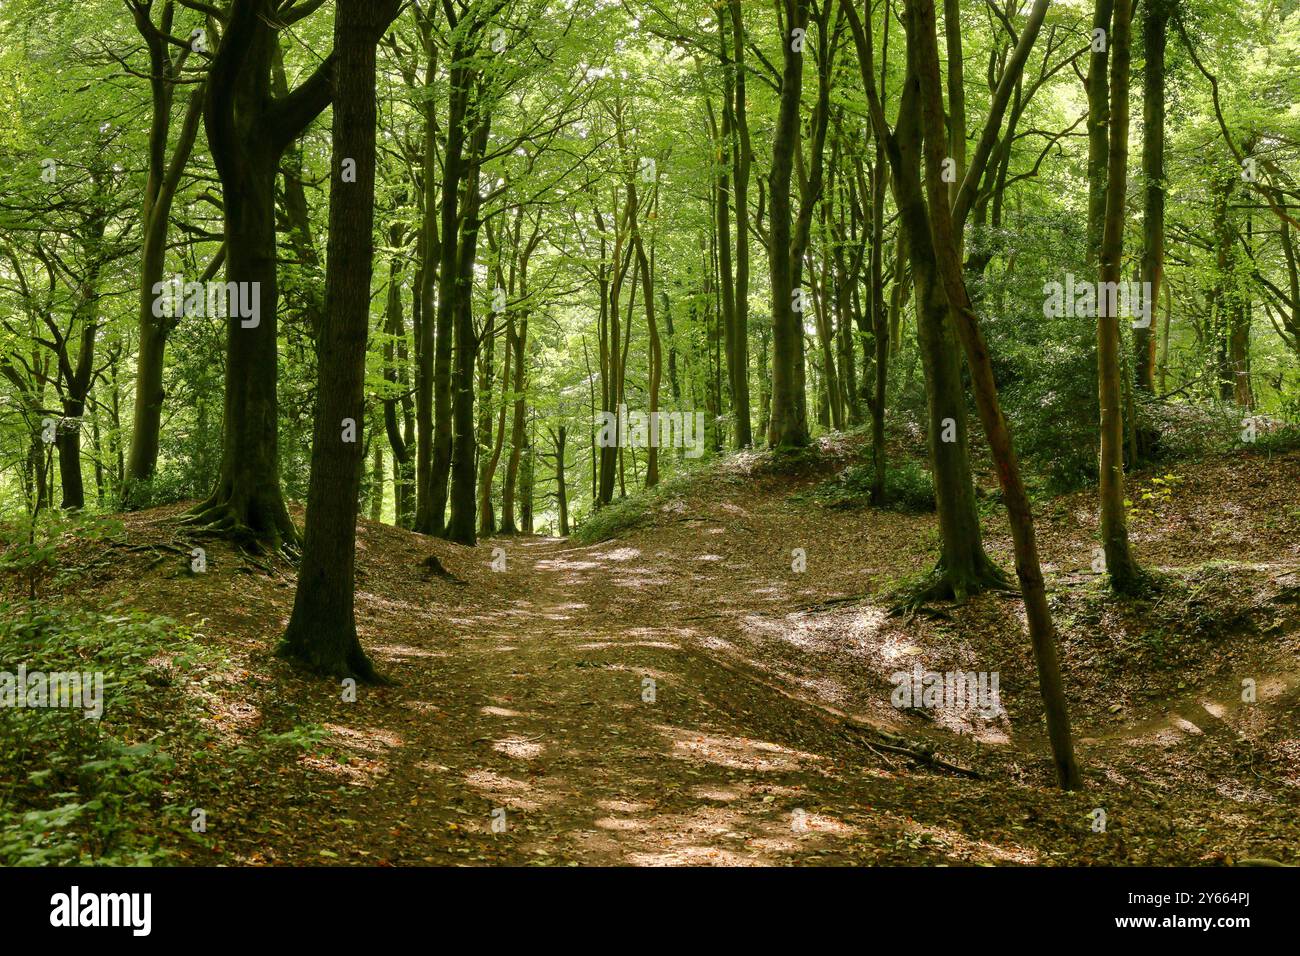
<point x="554" y="698"/>
<point x="598" y="733"/>
<point x="661" y="698"/>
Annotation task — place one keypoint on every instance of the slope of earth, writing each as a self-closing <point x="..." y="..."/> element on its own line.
<point x="694" y="692"/>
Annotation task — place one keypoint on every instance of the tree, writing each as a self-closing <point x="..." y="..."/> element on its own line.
<point x="925" y="58"/>
<point x="963" y="567"/>
<point x="788" y="426"/>
<point x="164" y="176"/>
<point x="1155" y="19"/>
<point x="322" y="632"/>
<point x="248" y="131"/>
<point x="1121" y="569"/>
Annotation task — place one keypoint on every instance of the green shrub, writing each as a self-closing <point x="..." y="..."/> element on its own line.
<point x="624" y="514"/>
<point x="908" y="487"/>
<point x="78" y="790"/>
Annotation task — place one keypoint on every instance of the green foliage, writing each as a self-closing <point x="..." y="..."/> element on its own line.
<point x="617" y="518"/>
<point x="1150" y="496"/>
<point x="625" y="514"/>
<point x="909" y="487"/>
<point x="1046" y="368"/>
<point x="30" y="549"/>
<point x="79" y="790"/>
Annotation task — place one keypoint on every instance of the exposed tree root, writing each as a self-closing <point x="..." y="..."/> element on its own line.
<point x="246" y="524"/>
<point x="318" y="657"/>
<point x="944" y="585"/>
<point x="432" y="567"/>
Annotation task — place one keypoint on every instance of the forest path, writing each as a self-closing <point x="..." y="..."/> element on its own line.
<point x="521" y="694"/>
<point x="581" y="698"/>
<point x="574" y="712"/>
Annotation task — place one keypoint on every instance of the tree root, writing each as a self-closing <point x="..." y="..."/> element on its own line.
<point x="223" y="519"/>
<point x="944" y="585"/>
<point x="357" y="665"/>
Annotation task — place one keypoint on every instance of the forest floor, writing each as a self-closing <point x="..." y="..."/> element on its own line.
<point x="521" y="695"/>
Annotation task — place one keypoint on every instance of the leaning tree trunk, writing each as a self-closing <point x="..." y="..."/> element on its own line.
<point x="142" y="459"/>
<point x="921" y="37"/>
<point x="963" y="568"/>
<point x="322" y="631"/>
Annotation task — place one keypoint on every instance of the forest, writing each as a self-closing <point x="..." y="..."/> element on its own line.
<point x="650" y="433"/>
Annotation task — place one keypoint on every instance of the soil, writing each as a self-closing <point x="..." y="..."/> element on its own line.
<point x="683" y="695"/>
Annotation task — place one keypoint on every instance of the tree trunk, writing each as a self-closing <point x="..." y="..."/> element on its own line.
<point x="454" y="173"/>
<point x="248" y="131"/>
<point x="1120" y="566"/>
<point x="742" y="161"/>
<point x="429" y="375"/>
<point x="880" y="321"/>
<point x="401" y="437"/>
<point x="160" y="189"/>
<point x="488" y="468"/>
<point x="527" y="482"/>
<point x="925" y="56"/>
<point x="377" y="483"/>
<point x="1155" y="17"/>
<point x="520" y="405"/>
<point x="1098" y="126"/>
<point x="322" y="631"/>
<point x="788" y="425"/>
<point x="561" y="488"/>
<point x="460" y="525"/>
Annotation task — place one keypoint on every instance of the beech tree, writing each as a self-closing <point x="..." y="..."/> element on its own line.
<point x="166" y="66"/>
<point x="248" y="130"/>
<point x="1121" y="569"/>
<point x="923" y="54"/>
<point x="322" y="631"/>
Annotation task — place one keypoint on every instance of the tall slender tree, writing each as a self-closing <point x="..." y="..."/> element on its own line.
<point x="163" y="178"/>
<point x="322" y="631"/>
<point x="1121" y="569"/>
<point x="923" y="41"/>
